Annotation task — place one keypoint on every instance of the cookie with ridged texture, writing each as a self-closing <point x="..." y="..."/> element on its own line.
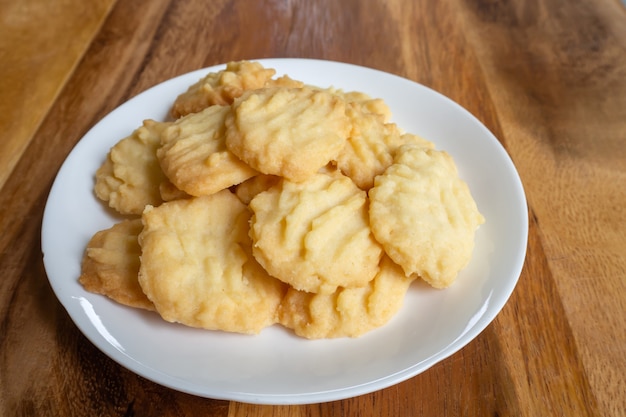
<point x="110" y="265"/>
<point x="129" y="178"/>
<point x="283" y="81"/>
<point x="248" y="189"/>
<point x="315" y="235"/>
<point x="221" y="87"/>
<point x="364" y="102"/>
<point x="348" y="312"/>
<point x="194" y="157"/>
<point x="424" y="215"/>
<point x="197" y="266"/>
<point x="169" y="191"/>
<point x="371" y="145"/>
<point x="288" y="132"/>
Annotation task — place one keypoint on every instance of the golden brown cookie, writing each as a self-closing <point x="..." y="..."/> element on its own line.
<point x="418" y="141"/>
<point x="221" y="87"/>
<point x="110" y="265"/>
<point x="197" y="267"/>
<point x="315" y="235"/>
<point x="129" y="178"/>
<point x="424" y="215"/>
<point x="371" y="146"/>
<point x="365" y="103"/>
<point x="284" y="81"/>
<point x="194" y="157"/>
<point x="170" y="192"/>
<point x="289" y="132"/>
<point x="348" y="312"/>
<point x="253" y="186"/>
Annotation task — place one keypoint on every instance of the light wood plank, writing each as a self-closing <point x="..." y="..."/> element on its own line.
<point x="41" y="42"/>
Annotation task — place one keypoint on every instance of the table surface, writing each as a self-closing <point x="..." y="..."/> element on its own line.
<point x="547" y="77"/>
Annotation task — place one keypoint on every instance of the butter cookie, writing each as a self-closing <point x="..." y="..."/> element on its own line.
<point x="424" y="215"/>
<point x="194" y="157"/>
<point x="129" y="178"/>
<point x="348" y="312"/>
<point x="315" y="235"/>
<point x="197" y="266"/>
<point x="110" y="265"/>
<point x="289" y="132"/>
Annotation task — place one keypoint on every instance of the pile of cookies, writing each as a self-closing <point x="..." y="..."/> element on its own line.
<point x="264" y="200"/>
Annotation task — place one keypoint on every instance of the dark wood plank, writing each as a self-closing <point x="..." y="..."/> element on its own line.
<point x="557" y="77"/>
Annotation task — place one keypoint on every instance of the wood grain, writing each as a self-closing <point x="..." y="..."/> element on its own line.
<point x="547" y="77"/>
<point x="40" y="44"/>
<point x="551" y="94"/>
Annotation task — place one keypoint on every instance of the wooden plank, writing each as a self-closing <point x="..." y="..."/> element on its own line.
<point x="557" y="76"/>
<point x="41" y="42"/>
<point x="557" y="348"/>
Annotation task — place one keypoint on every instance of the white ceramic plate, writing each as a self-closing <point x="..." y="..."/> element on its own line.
<point x="276" y="367"/>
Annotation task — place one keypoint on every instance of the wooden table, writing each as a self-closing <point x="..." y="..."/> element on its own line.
<point x="547" y="77"/>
